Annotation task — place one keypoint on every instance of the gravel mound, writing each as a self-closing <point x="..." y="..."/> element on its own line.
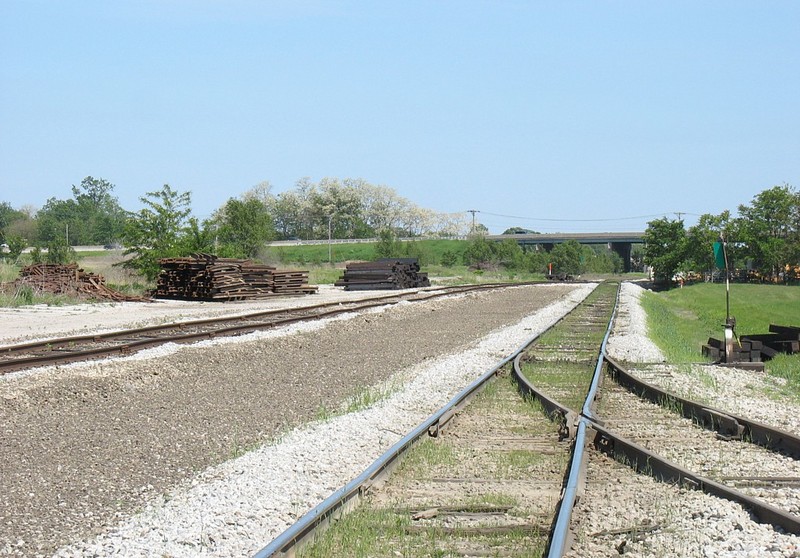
<point x="629" y="341"/>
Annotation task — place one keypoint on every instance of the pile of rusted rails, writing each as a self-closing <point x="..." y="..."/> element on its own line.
<point x="69" y="279"/>
<point x="291" y="282"/>
<point x="383" y="274"/>
<point x="208" y="277"/>
<point x="758" y="347"/>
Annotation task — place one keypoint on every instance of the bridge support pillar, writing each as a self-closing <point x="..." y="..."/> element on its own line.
<point x="624" y="251"/>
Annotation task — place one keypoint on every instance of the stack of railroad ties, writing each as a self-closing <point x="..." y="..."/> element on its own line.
<point x="208" y="277"/>
<point x="757" y="347"/>
<point x="383" y="274"/>
<point x="69" y="279"/>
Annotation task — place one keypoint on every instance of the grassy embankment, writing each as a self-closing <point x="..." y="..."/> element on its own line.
<point x="314" y="258"/>
<point x="681" y="320"/>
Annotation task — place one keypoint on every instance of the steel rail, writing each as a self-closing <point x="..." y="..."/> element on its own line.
<point x="64" y="341"/>
<point x="561" y="534"/>
<point x="348" y="496"/>
<point x="645" y="461"/>
<point x="725" y="423"/>
<point x="171" y="335"/>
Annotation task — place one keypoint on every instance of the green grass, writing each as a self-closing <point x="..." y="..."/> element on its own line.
<point x="362" y="398"/>
<point x="681" y="320"/>
<point x="25" y="296"/>
<point x="8" y="272"/>
<point x="429" y="252"/>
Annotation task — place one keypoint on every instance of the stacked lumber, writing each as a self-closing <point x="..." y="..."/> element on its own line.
<point x="383" y="274"/>
<point x="69" y="279"/>
<point x="208" y="277"/>
<point x="758" y="347"/>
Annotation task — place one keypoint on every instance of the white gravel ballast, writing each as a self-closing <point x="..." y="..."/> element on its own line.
<point x="236" y="508"/>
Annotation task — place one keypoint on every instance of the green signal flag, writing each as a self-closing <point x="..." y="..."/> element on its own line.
<point x="719" y="255"/>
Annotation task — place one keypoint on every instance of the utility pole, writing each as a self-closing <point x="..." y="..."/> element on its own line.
<point x="679" y="213"/>
<point x="330" y="220"/>
<point x="473" y="211"/>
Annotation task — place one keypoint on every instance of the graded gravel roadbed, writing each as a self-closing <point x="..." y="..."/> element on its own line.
<point x="86" y="446"/>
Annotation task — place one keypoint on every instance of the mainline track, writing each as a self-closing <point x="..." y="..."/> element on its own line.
<point x="515" y="454"/>
<point x="120" y="343"/>
<point x="441" y="523"/>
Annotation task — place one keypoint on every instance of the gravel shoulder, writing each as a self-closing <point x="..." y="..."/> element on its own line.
<point x="86" y="446"/>
<point x="29" y="323"/>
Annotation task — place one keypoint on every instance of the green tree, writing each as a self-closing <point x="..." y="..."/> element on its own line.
<point x="598" y="259"/>
<point x="8" y="215"/>
<point x="508" y="253"/>
<point x="665" y="247"/>
<point x="159" y="230"/>
<point x="92" y="216"/>
<point x="449" y="258"/>
<point x="99" y="209"/>
<point x="57" y="219"/>
<point x="479" y="252"/>
<point x="389" y="246"/>
<point x="16" y="244"/>
<point x="535" y="261"/>
<point x="701" y="237"/>
<point x="244" y="227"/>
<point x="59" y="252"/>
<point x="197" y="237"/>
<point x="567" y="257"/>
<point x="769" y="227"/>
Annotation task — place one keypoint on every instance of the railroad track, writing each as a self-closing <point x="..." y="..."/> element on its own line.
<point x="120" y="343"/>
<point x="486" y="480"/>
<point x="720" y="452"/>
<point x="500" y="475"/>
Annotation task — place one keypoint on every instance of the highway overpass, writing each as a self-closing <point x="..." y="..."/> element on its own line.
<point x="619" y="242"/>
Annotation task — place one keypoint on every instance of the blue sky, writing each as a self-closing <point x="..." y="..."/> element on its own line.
<point x="554" y="116"/>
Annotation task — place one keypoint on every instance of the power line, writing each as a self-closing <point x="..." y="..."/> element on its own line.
<point x="577" y="220"/>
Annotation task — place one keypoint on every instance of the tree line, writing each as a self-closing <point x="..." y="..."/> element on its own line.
<point x="165" y="226"/>
<point x="762" y="239"/>
<point x="765" y="235"/>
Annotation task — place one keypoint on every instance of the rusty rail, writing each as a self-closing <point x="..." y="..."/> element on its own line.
<point x="119" y="343"/>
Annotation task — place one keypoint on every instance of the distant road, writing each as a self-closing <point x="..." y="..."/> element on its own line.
<point x="76" y="248"/>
